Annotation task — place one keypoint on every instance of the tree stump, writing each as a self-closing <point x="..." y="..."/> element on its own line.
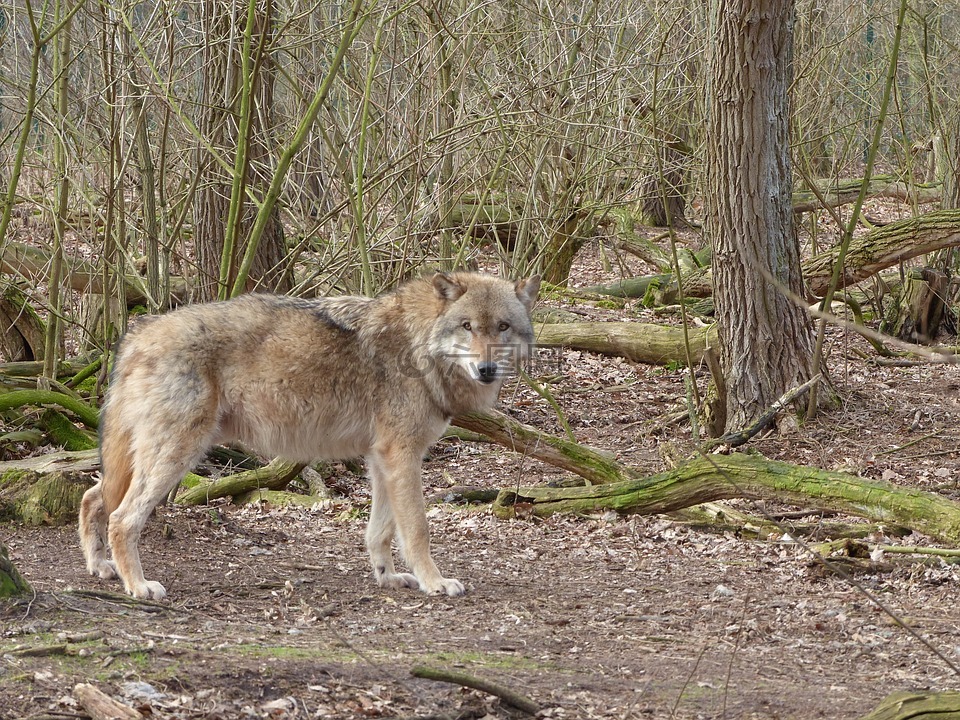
<point x="21" y="329"/>
<point x="42" y="498"/>
<point x="664" y="191"/>
<point x="916" y="312"/>
<point x="11" y="581"/>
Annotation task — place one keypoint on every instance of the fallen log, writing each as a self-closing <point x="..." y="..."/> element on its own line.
<point x="836" y="193"/>
<point x="639" y="342"/>
<point x="33" y="263"/>
<point x="274" y="476"/>
<point x="885" y="247"/>
<point x="594" y="466"/>
<point x="917" y="706"/>
<point x="87" y="414"/>
<point x="100" y="706"/>
<point x="877" y="250"/>
<point x="507" y="695"/>
<point x="718" y="477"/>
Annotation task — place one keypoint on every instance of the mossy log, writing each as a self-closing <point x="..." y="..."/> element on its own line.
<point x="719" y="477"/>
<point x="492" y="218"/>
<point x="868" y="254"/>
<point x="917" y="706"/>
<point x="639" y="342"/>
<point x="885" y="247"/>
<point x="47" y="489"/>
<point x="42" y="498"/>
<point x="630" y="287"/>
<point x="12" y="582"/>
<point x="279" y="498"/>
<point x="274" y="476"/>
<point x="594" y="466"/>
<point x="33" y="368"/>
<point x="64" y="433"/>
<point x="87" y="414"/>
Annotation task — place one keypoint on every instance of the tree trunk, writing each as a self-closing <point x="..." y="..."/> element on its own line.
<point x="11" y="581"/>
<point x="765" y="339"/>
<point x="220" y="107"/>
<point x="562" y="248"/>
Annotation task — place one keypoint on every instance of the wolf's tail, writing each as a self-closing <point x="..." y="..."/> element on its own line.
<point x="116" y="469"/>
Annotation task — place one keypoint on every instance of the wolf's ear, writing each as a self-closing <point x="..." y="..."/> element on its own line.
<point x="446" y="287"/>
<point x="527" y="291"/>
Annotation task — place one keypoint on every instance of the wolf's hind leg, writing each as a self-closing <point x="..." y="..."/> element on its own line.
<point x="159" y="468"/>
<point x="126" y="524"/>
<point x="93" y="534"/>
<point x="380" y="532"/>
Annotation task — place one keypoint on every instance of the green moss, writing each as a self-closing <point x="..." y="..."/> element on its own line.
<point x="47" y="499"/>
<point x="12" y="583"/>
<point x="14" y="475"/>
<point x="608" y="304"/>
<point x="65" y="433"/>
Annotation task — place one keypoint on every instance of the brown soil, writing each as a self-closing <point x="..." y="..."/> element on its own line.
<point x="273" y="613"/>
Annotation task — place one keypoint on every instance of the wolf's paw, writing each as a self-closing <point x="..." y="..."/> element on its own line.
<point x="103" y="569"/>
<point x="148" y="590"/>
<point x="444" y="586"/>
<point x="396" y="581"/>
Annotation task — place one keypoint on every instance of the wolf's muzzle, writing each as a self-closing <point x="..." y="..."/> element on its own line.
<point x="487" y="372"/>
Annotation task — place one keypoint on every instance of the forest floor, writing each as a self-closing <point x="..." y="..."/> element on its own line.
<point x="273" y="613"/>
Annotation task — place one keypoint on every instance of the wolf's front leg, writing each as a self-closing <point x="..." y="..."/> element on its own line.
<point x="380" y="532"/>
<point x="398" y="471"/>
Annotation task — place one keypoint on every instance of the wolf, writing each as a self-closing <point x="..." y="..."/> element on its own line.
<point x="303" y="379"/>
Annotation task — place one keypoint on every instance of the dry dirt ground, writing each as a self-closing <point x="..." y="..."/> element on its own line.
<point x="273" y="614"/>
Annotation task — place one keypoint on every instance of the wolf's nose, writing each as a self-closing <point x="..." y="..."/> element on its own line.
<point x="487" y="371"/>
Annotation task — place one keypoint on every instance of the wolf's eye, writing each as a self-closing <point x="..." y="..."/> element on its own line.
<point x="503" y="327"/>
<point x="467" y="326"/>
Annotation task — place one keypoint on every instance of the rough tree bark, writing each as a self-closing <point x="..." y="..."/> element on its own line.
<point x="765" y="339"/>
<point x="220" y="107"/>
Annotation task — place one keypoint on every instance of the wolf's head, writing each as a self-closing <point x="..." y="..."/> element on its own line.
<point x="484" y="328"/>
